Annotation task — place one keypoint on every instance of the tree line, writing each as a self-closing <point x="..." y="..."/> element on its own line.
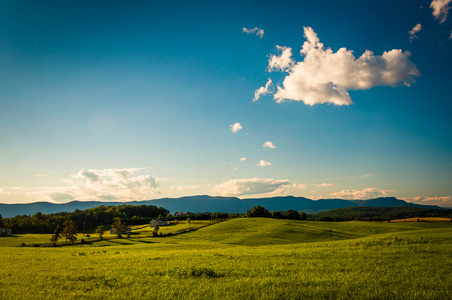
<point x="88" y="218"/>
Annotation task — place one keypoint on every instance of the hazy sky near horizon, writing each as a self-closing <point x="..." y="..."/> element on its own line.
<point x="135" y="100"/>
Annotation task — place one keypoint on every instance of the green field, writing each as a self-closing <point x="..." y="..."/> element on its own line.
<point x="240" y="259"/>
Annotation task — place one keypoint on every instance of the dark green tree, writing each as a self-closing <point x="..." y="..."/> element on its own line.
<point x="258" y="211"/>
<point x="156" y="230"/>
<point x="1" y="221"/>
<point x="292" y="215"/>
<point x="100" y="231"/>
<point x="303" y="215"/>
<point x="118" y="225"/>
<point x="56" y="235"/>
<point x="69" y="231"/>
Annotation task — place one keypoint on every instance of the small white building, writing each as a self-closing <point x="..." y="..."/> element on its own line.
<point x="6" y="231"/>
<point x="158" y="222"/>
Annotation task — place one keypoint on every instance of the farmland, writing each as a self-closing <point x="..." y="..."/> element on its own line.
<point x="247" y="258"/>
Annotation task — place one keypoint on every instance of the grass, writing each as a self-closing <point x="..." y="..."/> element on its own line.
<point x="243" y="259"/>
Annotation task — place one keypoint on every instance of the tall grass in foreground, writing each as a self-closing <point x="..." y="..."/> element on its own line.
<point x="351" y="262"/>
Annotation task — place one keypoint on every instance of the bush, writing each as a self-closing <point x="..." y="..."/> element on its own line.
<point x="23" y="245"/>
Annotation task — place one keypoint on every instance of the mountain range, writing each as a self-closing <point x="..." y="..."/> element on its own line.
<point x="206" y="203"/>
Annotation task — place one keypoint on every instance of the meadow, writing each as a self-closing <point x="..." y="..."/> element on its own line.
<point x="246" y="258"/>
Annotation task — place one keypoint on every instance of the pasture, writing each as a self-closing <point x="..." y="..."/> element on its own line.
<point x="249" y="258"/>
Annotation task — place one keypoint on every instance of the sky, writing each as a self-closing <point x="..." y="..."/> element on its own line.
<point x="137" y="100"/>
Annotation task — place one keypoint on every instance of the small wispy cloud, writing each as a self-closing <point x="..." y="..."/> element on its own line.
<point x="259" y="32"/>
<point x="268" y="144"/>
<point x="367" y="193"/>
<point x="183" y="188"/>
<point x="413" y="32"/>
<point x="440" y="9"/>
<point x="40" y="175"/>
<point x="236" y="127"/>
<point x="323" y="184"/>
<point x="263" y="90"/>
<point x="264" y="163"/>
<point x="243" y="159"/>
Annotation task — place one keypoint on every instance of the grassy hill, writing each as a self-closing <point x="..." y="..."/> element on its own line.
<point x="243" y="259"/>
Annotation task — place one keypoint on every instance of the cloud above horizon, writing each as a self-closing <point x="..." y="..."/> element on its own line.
<point x="413" y="32"/>
<point x="444" y="201"/>
<point x="259" y="32"/>
<point x="236" y="127"/>
<point x="240" y="187"/>
<point x="363" y="194"/>
<point x="101" y="185"/>
<point x="440" y="9"/>
<point x="324" y="76"/>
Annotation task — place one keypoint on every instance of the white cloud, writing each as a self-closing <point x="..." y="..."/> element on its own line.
<point x="368" y="193"/>
<point x="440" y="9"/>
<point x="259" y="32"/>
<point x="236" y="127"/>
<point x="444" y="201"/>
<point x="1" y="189"/>
<point x="263" y="163"/>
<point x="263" y="90"/>
<point x="102" y="184"/>
<point x="325" y="76"/>
<point x="323" y="184"/>
<point x="282" y="62"/>
<point x="413" y="31"/>
<point x="243" y="159"/>
<point x="239" y="187"/>
<point x="183" y="188"/>
<point x="268" y="144"/>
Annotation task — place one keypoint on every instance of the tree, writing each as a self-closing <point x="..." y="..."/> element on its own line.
<point x="258" y="211"/>
<point x="292" y="215"/>
<point x="69" y="231"/>
<point x="156" y="230"/>
<point x="56" y="235"/>
<point x="303" y="215"/>
<point x="100" y="231"/>
<point x="189" y="221"/>
<point x="1" y="221"/>
<point x="118" y="225"/>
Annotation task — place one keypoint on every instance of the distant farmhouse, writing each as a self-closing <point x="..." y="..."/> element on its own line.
<point x="182" y="214"/>
<point x="123" y="230"/>
<point x="158" y="222"/>
<point x="6" y="231"/>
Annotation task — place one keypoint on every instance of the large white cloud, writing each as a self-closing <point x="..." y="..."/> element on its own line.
<point x="103" y="184"/>
<point x="259" y="32"/>
<point x="367" y="193"/>
<point x="325" y="76"/>
<point x="239" y="187"/>
<point x="440" y="9"/>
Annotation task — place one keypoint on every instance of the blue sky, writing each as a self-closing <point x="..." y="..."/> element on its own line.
<point x="135" y="100"/>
